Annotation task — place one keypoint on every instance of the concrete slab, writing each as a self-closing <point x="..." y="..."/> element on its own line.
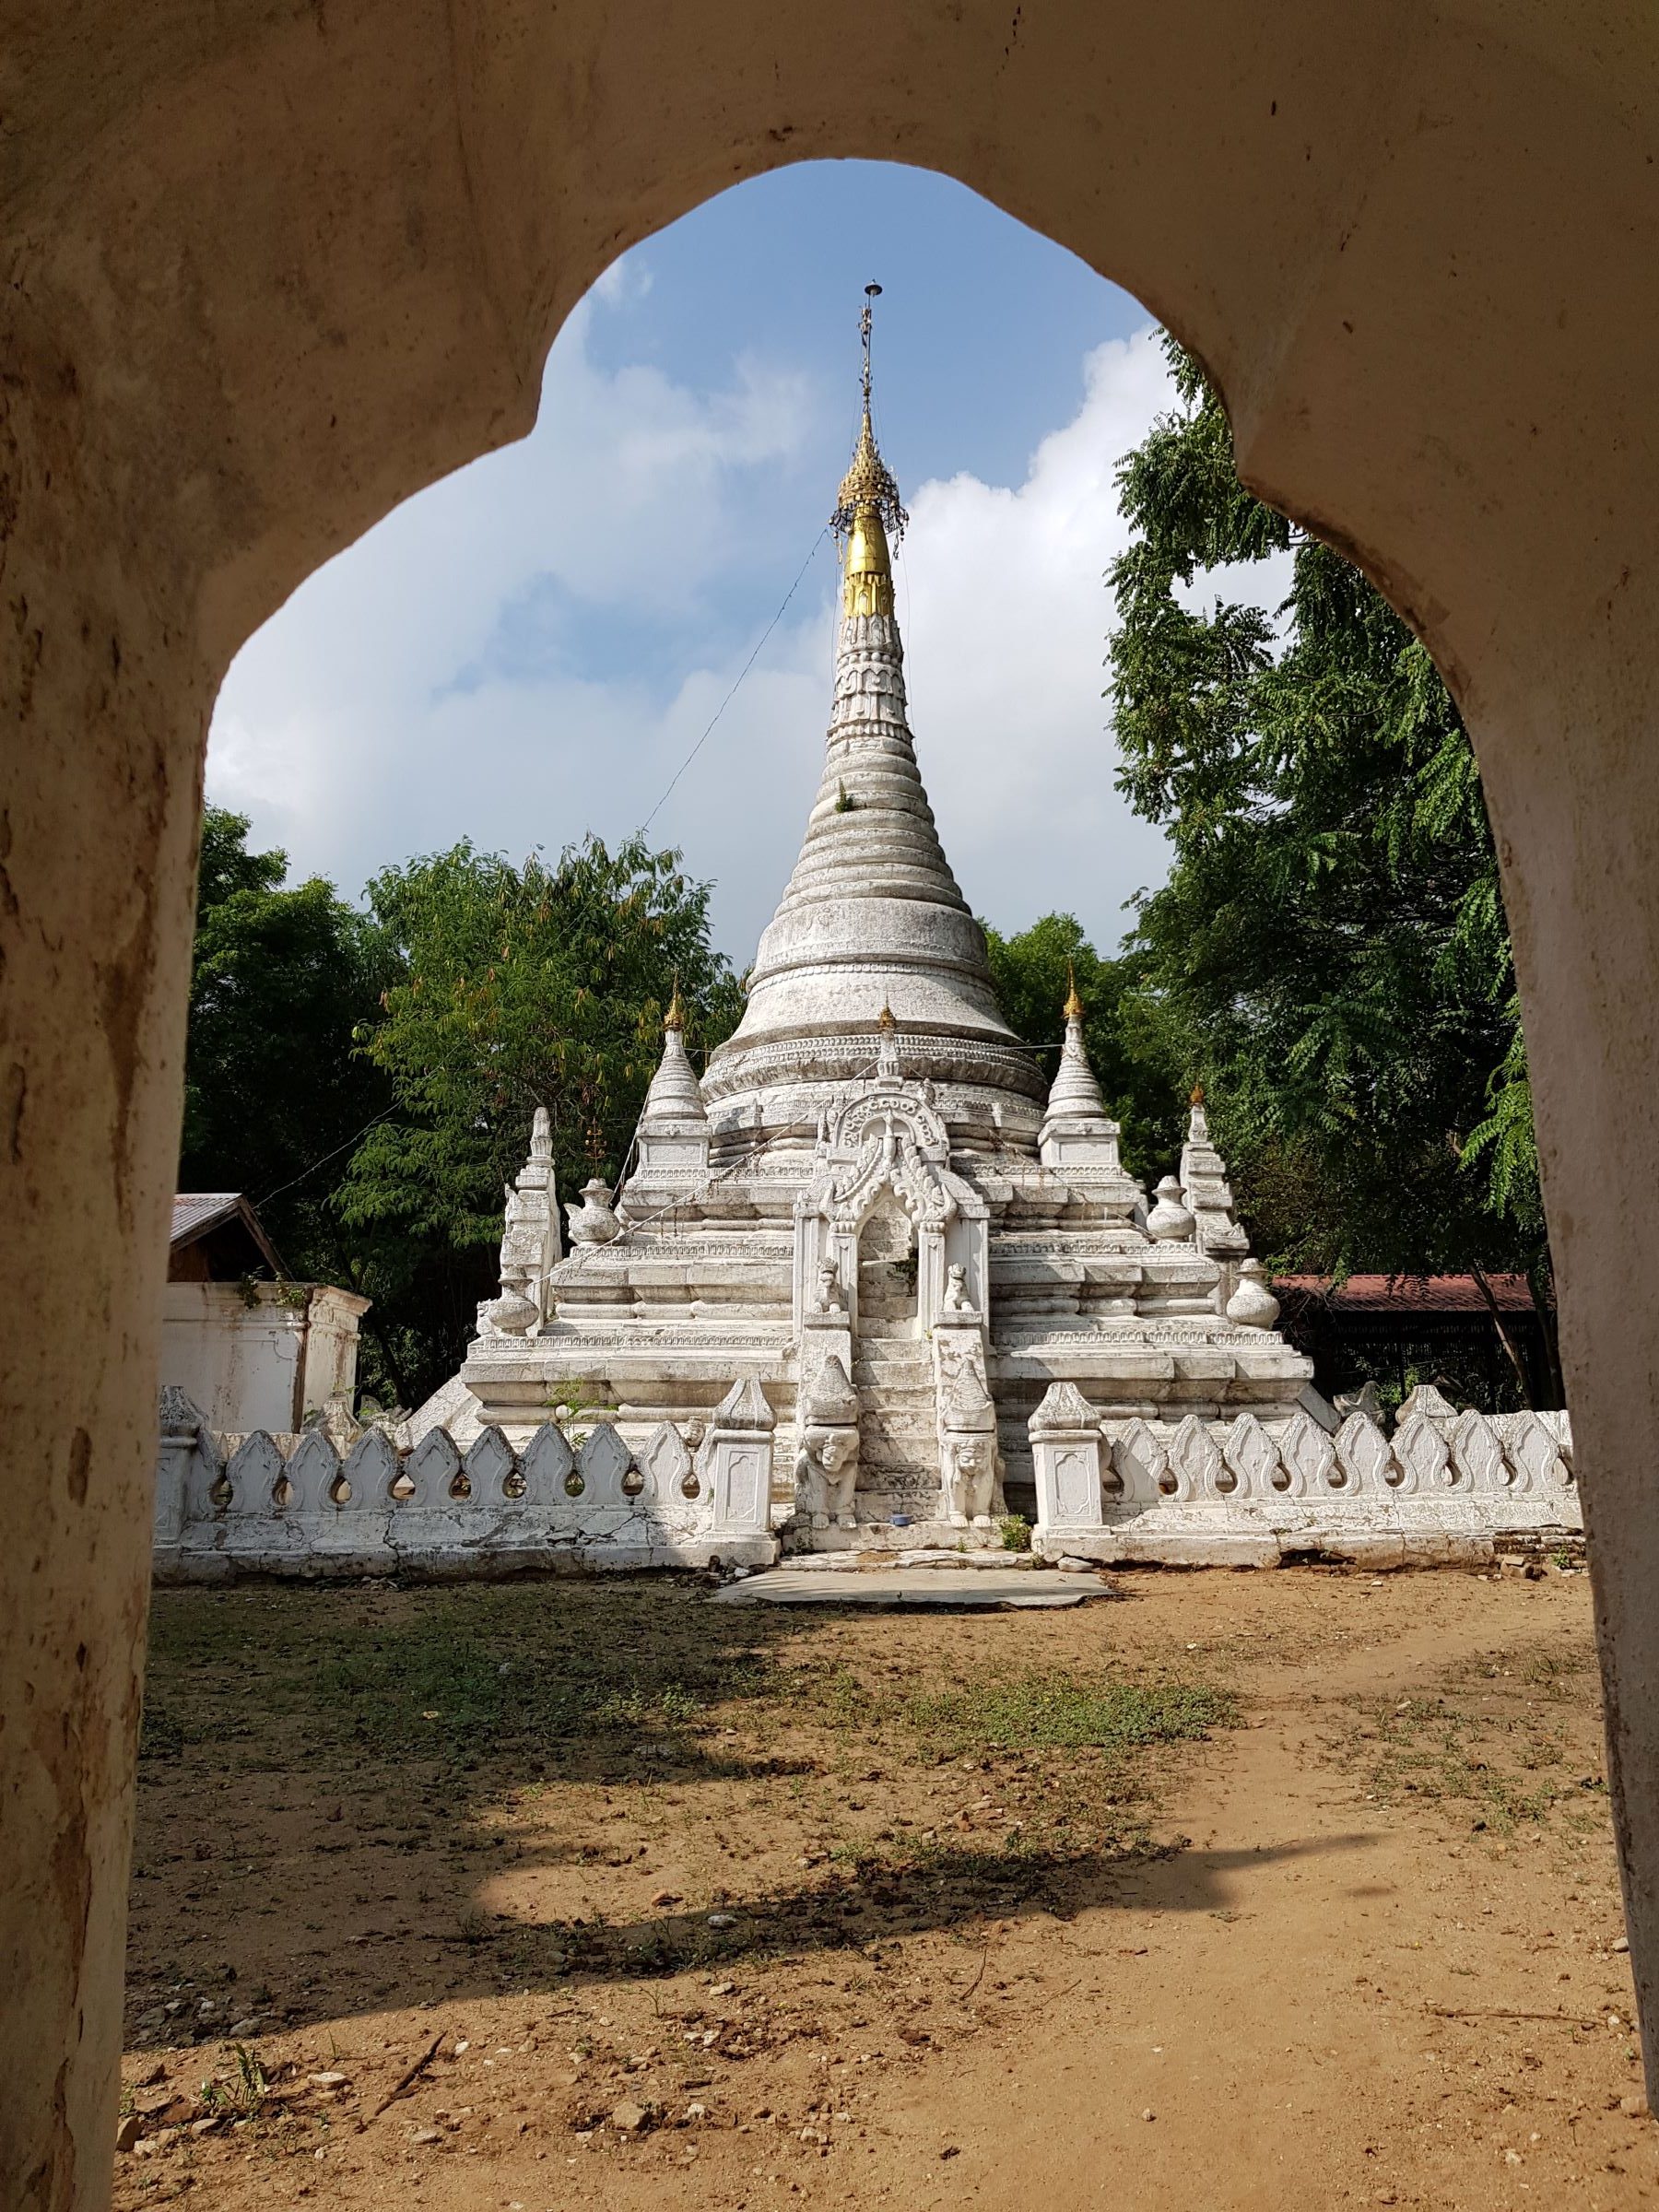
<point x="941" y="1586"/>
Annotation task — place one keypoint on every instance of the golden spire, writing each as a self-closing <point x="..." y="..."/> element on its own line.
<point x="1074" y="1005"/>
<point x="676" y="1017"/>
<point x="887" y="1020"/>
<point x="1197" y="1097"/>
<point x="867" y="507"/>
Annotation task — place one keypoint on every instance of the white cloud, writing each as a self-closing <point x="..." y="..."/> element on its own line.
<point x="482" y="662"/>
<point x="379" y="715"/>
<point x="1006" y="612"/>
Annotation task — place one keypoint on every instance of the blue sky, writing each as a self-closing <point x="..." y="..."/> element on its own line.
<point x="530" y="648"/>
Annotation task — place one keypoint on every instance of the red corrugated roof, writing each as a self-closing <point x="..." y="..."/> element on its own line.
<point x="1413" y="1293"/>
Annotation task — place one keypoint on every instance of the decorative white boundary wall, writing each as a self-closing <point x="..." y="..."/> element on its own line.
<point x="260" y="1504"/>
<point x="1445" y="1488"/>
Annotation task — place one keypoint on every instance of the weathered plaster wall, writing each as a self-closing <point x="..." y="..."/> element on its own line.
<point x="263" y="1359"/>
<point x="272" y="266"/>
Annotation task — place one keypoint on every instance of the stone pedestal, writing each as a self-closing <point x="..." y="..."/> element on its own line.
<point x="1067" y="1463"/>
<point x="740" y="1461"/>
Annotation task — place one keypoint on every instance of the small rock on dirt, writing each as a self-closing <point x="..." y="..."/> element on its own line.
<point x="666" y="1897"/>
<point x="1633" y="2108"/>
<point x="128" y="2133"/>
<point x="721" y="1920"/>
<point x="630" y="2119"/>
<point x="329" y="2081"/>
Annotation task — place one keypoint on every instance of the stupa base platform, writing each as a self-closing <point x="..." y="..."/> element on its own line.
<point x="884" y="1536"/>
<point x="1154" y="1540"/>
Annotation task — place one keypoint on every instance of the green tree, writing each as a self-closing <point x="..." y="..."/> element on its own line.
<point x="1330" y="951"/>
<point x="275" y="1090"/>
<point x="1123" y="1028"/>
<point x="514" y="988"/>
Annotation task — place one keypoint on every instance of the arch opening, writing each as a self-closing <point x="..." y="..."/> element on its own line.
<point x="226" y="380"/>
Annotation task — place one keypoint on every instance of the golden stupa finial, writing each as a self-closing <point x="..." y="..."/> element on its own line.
<point x="676" y="1017"/>
<point x="887" y="1021"/>
<point x="1074" y="1005"/>
<point x="867" y="507"/>
<point x="1197" y="1097"/>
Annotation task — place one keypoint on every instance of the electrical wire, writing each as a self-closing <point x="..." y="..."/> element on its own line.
<point x="383" y="1116"/>
<point x="732" y="694"/>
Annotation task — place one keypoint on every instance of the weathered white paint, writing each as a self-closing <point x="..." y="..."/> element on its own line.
<point x="261" y="1356"/>
<point x="1448" y="1488"/>
<point x="296" y="1505"/>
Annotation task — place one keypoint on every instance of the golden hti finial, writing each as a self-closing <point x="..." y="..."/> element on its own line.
<point x="676" y="1017"/>
<point x="1073" y="1009"/>
<point x="1197" y="1097"/>
<point x="867" y="507"/>
<point x="887" y="1021"/>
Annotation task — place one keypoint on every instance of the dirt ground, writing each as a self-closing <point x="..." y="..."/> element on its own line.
<point x="1262" y="1889"/>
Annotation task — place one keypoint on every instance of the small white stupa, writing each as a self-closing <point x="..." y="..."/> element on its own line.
<point x="872" y="1204"/>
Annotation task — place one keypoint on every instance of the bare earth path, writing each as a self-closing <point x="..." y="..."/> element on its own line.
<point x="1285" y="1890"/>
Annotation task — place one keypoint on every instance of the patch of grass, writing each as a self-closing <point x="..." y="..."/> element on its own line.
<point x="1015" y="1532"/>
<point x="1436" y="1753"/>
<point x="455" y="1677"/>
<point x="845" y="1700"/>
<point x="1492" y="1738"/>
<point x="666" y="1706"/>
<point x="245" y="2093"/>
<point x="1036" y="1712"/>
<point x="161" y="1731"/>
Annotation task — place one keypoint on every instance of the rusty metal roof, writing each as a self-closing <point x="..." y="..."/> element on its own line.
<point x="195" y="1213"/>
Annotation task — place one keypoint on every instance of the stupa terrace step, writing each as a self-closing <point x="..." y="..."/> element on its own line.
<point x="900" y="1471"/>
<point x="890" y="1368"/>
<point x="894" y="1390"/>
<point x="883" y="1444"/>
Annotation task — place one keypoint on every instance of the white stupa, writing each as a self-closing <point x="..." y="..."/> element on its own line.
<point x="872" y="1204"/>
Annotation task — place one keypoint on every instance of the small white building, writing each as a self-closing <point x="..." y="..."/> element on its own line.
<point x="250" y="1348"/>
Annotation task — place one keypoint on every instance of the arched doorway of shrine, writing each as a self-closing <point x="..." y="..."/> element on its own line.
<point x="272" y="272"/>
<point x="892" y="1368"/>
<point x="886" y="1272"/>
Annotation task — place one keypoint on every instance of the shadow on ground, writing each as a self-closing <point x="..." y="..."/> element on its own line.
<point x="948" y="1892"/>
<point x="364" y="1800"/>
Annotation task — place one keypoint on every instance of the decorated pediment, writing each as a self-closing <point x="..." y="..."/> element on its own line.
<point x="883" y="1111"/>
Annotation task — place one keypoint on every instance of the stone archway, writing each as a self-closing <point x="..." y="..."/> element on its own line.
<point x="892" y="1367"/>
<point x="271" y="272"/>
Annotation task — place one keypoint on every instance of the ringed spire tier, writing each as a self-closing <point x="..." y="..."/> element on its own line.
<point x="872" y="916"/>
